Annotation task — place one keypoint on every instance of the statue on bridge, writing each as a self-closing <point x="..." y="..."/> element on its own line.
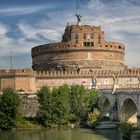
<point x="115" y="82"/>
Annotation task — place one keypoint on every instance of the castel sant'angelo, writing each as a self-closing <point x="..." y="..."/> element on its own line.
<point x="82" y="57"/>
<point x="83" y="47"/>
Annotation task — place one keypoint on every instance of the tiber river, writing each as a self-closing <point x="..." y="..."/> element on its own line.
<point x="61" y="134"/>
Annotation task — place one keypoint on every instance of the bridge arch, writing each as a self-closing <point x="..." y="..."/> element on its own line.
<point x="105" y="104"/>
<point x="128" y="110"/>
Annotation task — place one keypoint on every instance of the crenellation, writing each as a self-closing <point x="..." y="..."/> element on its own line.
<point x="20" y="80"/>
<point x="49" y="74"/>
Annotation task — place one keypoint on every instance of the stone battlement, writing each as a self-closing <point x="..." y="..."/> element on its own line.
<point x="16" y="72"/>
<point x="70" y="74"/>
<point x="29" y="81"/>
<point x="81" y="74"/>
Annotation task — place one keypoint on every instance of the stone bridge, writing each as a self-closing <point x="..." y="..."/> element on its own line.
<point x="121" y="105"/>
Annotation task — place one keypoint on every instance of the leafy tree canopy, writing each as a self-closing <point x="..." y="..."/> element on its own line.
<point x="9" y="102"/>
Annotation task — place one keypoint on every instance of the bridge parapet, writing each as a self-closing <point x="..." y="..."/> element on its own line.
<point x="127" y="91"/>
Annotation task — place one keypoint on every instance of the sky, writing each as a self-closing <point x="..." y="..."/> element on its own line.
<point x="27" y="23"/>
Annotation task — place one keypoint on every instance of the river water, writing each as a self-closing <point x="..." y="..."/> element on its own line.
<point x="61" y="134"/>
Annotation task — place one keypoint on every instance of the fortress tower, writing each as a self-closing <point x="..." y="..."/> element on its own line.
<point x="83" y="47"/>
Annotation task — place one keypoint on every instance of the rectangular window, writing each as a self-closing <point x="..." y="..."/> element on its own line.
<point x="92" y="44"/>
<point x="99" y="36"/>
<point x="76" y="38"/>
<point x="88" y="44"/>
<point x="76" y="41"/>
<point x="91" y="35"/>
<point x="99" y="39"/>
<point x="84" y="44"/>
<point x="84" y="35"/>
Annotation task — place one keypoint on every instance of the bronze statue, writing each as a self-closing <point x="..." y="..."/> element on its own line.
<point x="78" y="18"/>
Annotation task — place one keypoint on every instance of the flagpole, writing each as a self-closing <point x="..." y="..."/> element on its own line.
<point x="11" y="60"/>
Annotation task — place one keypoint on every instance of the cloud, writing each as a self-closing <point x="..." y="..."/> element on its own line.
<point x="3" y="30"/>
<point x="19" y="46"/>
<point x="22" y="10"/>
<point x="4" y="39"/>
<point x="39" y="33"/>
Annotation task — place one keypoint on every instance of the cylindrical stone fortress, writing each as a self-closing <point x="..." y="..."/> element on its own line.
<point x="82" y="47"/>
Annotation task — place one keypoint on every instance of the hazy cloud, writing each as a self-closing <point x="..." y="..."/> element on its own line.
<point x="22" y="10"/>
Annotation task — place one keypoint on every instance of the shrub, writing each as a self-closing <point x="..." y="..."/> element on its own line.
<point x="93" y="118"/>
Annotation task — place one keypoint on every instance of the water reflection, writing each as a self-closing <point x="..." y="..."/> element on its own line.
<point x="112" y="134"/>
<point x="76" y="134"/>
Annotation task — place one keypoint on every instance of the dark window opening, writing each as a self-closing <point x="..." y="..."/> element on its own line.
<point x="119" y="47"/>
<point x="88" y="44"/>
<point x="91" y="35"/>
<point x="84" y="36"/>
<point x="92" y="44"/>
<point x="76" y="41"/>
<point x="84" y="44"/>
<point x="99" y="36"/>
<point x="76" y="38"/>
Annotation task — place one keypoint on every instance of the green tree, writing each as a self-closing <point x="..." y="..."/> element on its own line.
<point x="82" y="102"/>
<point x="9" y="102"/>
<point x="54" y="106"/>
<point x="77" y="101"/>
<point x="93" y="98"/>
<point x="65" y="104"/>
<point x="44" y="115"/>
<point x="61" y="105"/>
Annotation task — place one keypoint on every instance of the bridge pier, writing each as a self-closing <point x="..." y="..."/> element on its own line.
<point x="138" y="121"/>
<point x="136" y="133"/>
